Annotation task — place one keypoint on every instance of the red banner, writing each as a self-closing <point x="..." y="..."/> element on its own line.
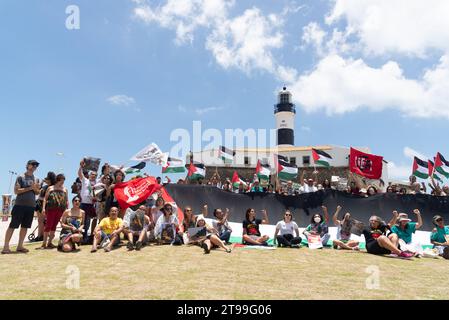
<point x="135" y="191"/>
<point x="365" y="164"/>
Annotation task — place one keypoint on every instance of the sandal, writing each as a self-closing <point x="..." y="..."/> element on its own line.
<point x="6" y="251"/>
<point x="41" y="248"/>
<point x="51" y="246"/>
<point x="22" y="250"/>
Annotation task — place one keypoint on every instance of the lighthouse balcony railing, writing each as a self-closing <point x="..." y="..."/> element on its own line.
<point x="289" y="107"/>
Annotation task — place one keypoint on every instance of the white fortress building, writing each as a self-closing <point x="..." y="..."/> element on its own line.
<point x="301" y="156"/>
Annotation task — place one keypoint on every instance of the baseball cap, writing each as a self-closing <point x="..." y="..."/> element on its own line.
<point x="33" y="162"/>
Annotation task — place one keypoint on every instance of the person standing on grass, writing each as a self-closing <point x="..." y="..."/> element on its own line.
<point x="72" y="223"/>
<point x="211" y="240"/>
<point x="87" y="199"/>
<point x="251" y="233"/>
<point x="377" y="241"/>
<point x="108" y="229"/>
<point x="49" y="181"/>
<point x="319" y="226"/>
<point x="440" y="236"/>
<point x="26" y="188"/>
<point x="284" y="234"/>
<point x="136" y="225"/>
<point x="404" y="228"/>
<point x="56" y="202"/>
<point x="344" y="226"/>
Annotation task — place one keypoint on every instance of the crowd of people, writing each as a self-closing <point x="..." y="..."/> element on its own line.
<point x="353" y="186"/>
<point x="94" y="217"/>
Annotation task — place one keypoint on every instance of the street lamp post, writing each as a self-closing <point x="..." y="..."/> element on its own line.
<point x="12" y="173"/>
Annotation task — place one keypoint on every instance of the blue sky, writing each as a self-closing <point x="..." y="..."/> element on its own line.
<point x="361" y="74"/>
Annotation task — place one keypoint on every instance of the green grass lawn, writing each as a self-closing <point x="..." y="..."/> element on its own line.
<point x="166" y="272"/>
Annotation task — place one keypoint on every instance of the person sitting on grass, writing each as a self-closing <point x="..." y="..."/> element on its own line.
<point x="220" y="223"/>
<point x="168" y="218"/>
<point x="189" y="221"/>
<point x="136" y="225"/>
<point x="72" y="223"/>
<point x="404" y="228"/>
<point x="440" y="236"/>
<point x="286" y="228"/>
<point x="377" y="241"/>
<point x="109" y="229"/>
<point x="211" y="240"/>
<point x="344" y="226"/>
<point x="318" y="226"/>
<point x="251" y="233"/>
<point x="155" y="213"/>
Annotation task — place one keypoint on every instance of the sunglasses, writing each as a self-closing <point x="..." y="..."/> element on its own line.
<point x="439" y="220"/>
<point x="76" y="200"/>
<point x="288" y="214"/>
<point x="188" y="210"/>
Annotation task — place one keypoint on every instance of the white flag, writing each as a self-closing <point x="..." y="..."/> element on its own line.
<point x="152" y="154"/>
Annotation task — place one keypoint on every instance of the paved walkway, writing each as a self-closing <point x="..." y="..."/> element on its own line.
<point x="15" y="237"/>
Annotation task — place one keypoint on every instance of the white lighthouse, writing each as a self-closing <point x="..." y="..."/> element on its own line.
<point x="285" y="112"/>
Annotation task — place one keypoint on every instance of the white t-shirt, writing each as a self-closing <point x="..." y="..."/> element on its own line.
<point x="86" y="193"/>
<point x="286" y="227"/>
<point x="306" y="188"/>
<point x="156" y="214"/>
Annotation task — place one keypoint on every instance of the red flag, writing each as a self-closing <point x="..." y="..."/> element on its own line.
<point x="365" y="164"/>
<point x="135" y="191"/>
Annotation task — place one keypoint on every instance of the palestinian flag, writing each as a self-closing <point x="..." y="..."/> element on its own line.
<point x="236" y="180"/>
<point x="420" y="168"/>
<point x="285" y="170"/>
<point x="226" y="154"/>
<point x="129" y="170"/>
<point x="321" y="157"/>
<point x="441" y="165"/>
<point x="174" y="166"/>
<point x="262" y="171"/>
<point x="433" y="173"/>
<point x="196" y="171"/>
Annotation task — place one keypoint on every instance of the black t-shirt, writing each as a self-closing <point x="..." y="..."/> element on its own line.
<point x="252" y="227"/>
<point x="372" y="234"/>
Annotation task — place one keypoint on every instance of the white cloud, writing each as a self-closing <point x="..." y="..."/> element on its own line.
<point x="125" y="101"/>
<point x="400" y="172"/>
<point x="245" y="42"/>
<point x="411" y="27"/>
<point x="313" y="34"/>
<point x="121" y="100"/>
<point x="337" y="85"/>
<point x="305" y="128"/>
<point x="403" y="171"/>
<point x="201" y="111"/>
<point x="184" y="16"/>
<point x="410" y="153"/>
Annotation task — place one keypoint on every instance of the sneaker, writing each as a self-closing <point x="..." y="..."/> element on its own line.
<point x="138" y="245"/>
<point x="130" y="246"/>
<point x="206" y="248"/>
<point x="105" y="242"/>
<point x="296" y="246"/>
<point x="446" y="253"/>
<point x="406" y="255"/>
